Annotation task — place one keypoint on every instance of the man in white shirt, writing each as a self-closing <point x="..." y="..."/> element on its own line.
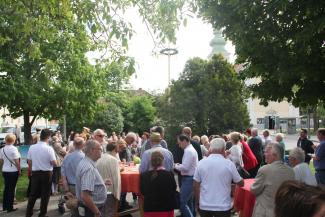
<point x="212" y="182"/>
<point x="187" y="170"/>
<point x="301" y="169"/>
<point x="41" y="159"/>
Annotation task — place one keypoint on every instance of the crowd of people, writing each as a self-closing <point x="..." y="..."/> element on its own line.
<point x="89" y="168"/>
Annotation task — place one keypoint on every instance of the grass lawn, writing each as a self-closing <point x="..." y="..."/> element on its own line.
<point x="22" y="186"/>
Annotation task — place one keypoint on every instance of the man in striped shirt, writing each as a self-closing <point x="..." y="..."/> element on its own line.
<point x="90" y="187"/>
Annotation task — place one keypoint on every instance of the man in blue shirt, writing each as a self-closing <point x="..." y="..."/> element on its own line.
<point x="168" y="164"/>
<point x="319" y="158"/>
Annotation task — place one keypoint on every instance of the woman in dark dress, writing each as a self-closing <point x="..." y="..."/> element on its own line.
<point x="158" y="187"/>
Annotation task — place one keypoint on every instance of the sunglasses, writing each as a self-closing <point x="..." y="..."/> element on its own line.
<point x="100" y="135"/>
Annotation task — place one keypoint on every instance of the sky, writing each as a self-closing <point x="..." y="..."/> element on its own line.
<point x="152" y="70"/>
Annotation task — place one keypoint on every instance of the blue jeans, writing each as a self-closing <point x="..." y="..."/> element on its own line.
<point x="186" y="197"/>
<point x="320" y="177"/>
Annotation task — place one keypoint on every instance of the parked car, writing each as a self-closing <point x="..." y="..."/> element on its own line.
<point x="5" y="130"/>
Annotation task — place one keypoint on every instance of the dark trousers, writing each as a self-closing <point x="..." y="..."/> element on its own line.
<point x="40" y="187"/>
<point x="10" y="179"/>
<point x="206" y="213"/>
<point x="320" y="177"/>
<point x="253" y="172"/>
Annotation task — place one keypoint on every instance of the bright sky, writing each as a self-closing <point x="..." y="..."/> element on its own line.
<point x="152" y="71"/>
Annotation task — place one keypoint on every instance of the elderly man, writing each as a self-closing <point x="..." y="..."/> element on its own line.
<point x="69" y="167"/>
<point x="301" y="169"/>
<point x="319" y="157"/>
<point x="41" y="159"/>
<point x="268" y="180"/>
<point x="279" y="139"/>
<point x="266" y="138"/>
<point x="90" y="186"/>
<point x="168" y="163"/>
<point x="255" y="143"/>
<point x="305" y="144"/>
<point x="212" y="184"/>
<point x="125" y="154"/>
<point x="99" y="136"/>
<point x="147" y="145"/>
<point x="109" y="169"/>
<point x="187" y="169"/>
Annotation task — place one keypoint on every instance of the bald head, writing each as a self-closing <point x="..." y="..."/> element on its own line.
<point x="78" y="143"/>
<point x="187" y="131"/>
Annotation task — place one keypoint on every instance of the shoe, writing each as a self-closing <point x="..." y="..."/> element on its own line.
<point x="12" y="210"/>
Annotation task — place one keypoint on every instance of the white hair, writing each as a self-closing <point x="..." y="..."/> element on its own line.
<point x="279" y="135"/>
<point x="98" y="131"/>
<point x="132" y="135"/>
<point x="298" y="154"/>
<point x="254" y="131"/>
<point x="217" y="144"/>
<point x="277" y="150"/>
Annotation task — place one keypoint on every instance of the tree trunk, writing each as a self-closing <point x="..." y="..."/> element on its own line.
<point x="316" y="122"/>
<point x="27" y="129"/>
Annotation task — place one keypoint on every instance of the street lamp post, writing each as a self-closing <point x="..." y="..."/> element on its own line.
<point x="169" y="52"/>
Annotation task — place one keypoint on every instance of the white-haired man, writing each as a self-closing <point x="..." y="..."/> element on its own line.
<point x="212" y="184"/>
<point x="301" y="169"/>
<point x="268" y="180"/>
<point x="99" y="136"/>
<point x="255" y="143"/>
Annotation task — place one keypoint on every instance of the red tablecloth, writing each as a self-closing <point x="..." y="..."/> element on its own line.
<point x="130" y="179"/>
<point x="244" y="200"/>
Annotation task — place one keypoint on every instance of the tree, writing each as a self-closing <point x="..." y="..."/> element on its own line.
<point x="281" y="43"/>
<point x="140" y="114"/>
<point x="109" y="119"/>
<point x="43" y="46"/>
<point x="208" y="97"/>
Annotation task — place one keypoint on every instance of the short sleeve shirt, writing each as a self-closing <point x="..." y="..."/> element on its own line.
<point x="41" y="155"/>
<point x="89" y="179"/>
<point x="215" y="175"/>
<point x="7" y="154"/>
<point x="320" y="153"/>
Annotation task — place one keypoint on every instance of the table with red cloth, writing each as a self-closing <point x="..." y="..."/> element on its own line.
<point x="130" y="182"/>
<point x="130" y="179"/>
<point x="244" y="200"/>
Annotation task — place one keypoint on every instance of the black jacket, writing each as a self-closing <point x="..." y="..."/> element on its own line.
<point x="255" y="144"/>
<point x="306" y="145"/>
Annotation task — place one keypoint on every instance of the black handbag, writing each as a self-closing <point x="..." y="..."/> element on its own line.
<point x="242" y="172"/>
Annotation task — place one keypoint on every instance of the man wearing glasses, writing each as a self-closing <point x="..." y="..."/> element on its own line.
<point x="99" y="136"/>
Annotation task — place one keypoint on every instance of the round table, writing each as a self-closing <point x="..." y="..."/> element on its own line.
<point x="244" y="200"/>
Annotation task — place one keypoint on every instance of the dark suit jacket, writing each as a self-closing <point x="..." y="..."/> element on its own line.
<point x="306" y="145"/>
<point x="178" y="153"/>
<point x="255" y="144"/>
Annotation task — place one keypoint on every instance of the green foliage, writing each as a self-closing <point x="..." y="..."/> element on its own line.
<point x="140" y="114"/>
<point x="43" y="46"/>
<point x="109" y="119"/>
<point x="279" y="42"/>
<point x="208" y="97"/>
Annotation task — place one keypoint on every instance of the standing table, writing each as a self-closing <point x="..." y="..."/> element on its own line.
<point x="244" y="200"/>
<point x="130" y="182"/>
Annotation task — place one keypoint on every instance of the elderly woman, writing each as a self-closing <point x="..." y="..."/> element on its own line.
<point x="301" y="169"/>
<point x="279" y="139"/>
<point x="158" y="187"/>
<point x="10" y="157"/>
<point x="205" y="145"/>
<point x="236" y="150"/>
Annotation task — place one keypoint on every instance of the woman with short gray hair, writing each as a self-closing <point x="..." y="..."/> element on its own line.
<point x="301" y="169"/>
